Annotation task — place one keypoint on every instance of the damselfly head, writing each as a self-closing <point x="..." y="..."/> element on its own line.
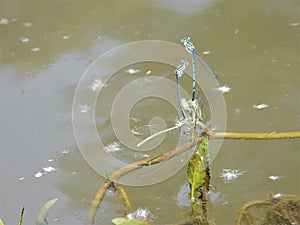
<point x="184" y="39"/>
<point x="183" y="61"/>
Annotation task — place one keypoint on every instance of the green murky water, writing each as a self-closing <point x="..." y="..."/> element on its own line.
<point x="45" y="49"/>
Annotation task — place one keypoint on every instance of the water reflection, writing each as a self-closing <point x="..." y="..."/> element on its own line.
<point x="45" y="47"/>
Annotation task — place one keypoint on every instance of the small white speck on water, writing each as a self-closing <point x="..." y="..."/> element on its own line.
<point x="260" y="106"/>
<point x="97" y="85"/>
<point x="84" y="108"/>
<point x="21" y="178"/>
<point x="229" y="175"/>
<point x="223" y="89"/>
<point x="65" y="151"/>
<point x="4" y="21"/>
<point x="277" y="195"/>
<point x="132" y="71"/>
<point x="24" y="39"/>
<point x="274" y="177"/>
<point x="38" y="174"/>
<point x="27" y="24"/>
<point x="37" y="49"/>
<point x="206" y="52"/>
<point x="65" y="37"/>
<point x="236" y="31"/>
<point x="294" y="24"/>
<point x="148" y="72"/>
<point x="48" y="169"/>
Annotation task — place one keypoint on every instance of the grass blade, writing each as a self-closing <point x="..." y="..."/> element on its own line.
<point x="41" y="220"/>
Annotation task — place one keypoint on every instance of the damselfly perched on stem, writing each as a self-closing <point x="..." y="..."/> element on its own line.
<point x="190" y="110"/>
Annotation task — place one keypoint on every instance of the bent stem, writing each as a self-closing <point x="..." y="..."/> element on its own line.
<point x="179" y="150"/>
<point x="156" y="134"/>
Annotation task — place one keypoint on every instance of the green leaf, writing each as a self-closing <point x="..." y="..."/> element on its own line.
<point x="41" y="220"/>
<point x="197" y="168"/>
<point x="1" y="222"/>
<point x="126" y="221"/>
<point x="203" y="150"/>
<point x="21" y="217"/>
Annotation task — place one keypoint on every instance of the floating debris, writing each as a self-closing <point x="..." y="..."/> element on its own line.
<point x="274" y="178"/>
<point x="206" y="52"/>
<point x="260" y="106"/>
<point x="223" y="89"/>
<point x="132" y="71"/>
<point x="236" y="31"/>
<point x="148" y="72"/>
<point x="231" y="174"/>
<point x="141" y="214"/>
<point x="21" y="178"/>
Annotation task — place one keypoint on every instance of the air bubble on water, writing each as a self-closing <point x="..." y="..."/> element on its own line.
<point x="229" y="175"/>
<point x="113" y="147"/>
<point x="24" y="39"/>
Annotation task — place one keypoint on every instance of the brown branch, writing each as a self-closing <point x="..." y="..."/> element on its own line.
<point x="134" y="166"/>
<point x="168" y="155"/>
